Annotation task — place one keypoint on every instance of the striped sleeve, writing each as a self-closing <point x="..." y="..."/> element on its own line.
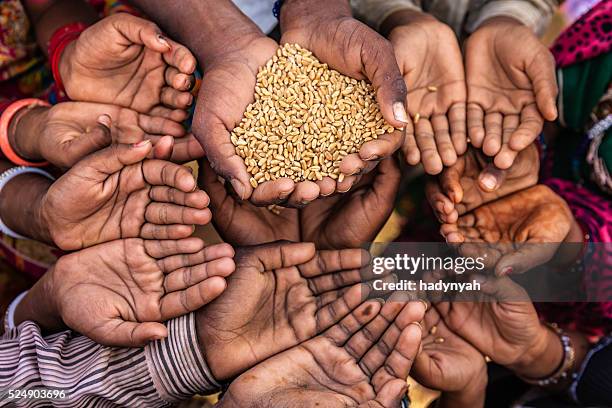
<point x="92" y="375"/>
<point x="535" y="14"/>
<point x="375" y="12"/>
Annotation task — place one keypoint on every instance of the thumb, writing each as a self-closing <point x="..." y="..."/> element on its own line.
<point x="163" y="148"/>
<point x="491" y="178"/>
<point x="391" y="394"/>
<point x="117" y="156"/>
<point x="528" y="256"/>
<point x="131" y="334"/>
<point x="541" y="72"/>
<point x="141" y="31"/>
<point x="380" y="66"/>
<point x="93" y="141"/>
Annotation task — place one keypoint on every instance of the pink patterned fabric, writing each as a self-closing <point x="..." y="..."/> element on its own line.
<point x="588" y="37"/>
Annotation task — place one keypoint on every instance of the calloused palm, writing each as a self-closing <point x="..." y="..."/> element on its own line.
<point x="362" y="361"/>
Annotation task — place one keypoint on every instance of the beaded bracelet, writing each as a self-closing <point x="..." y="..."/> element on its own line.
<point x="278" y="4"/>
<point x="566" y="366"/>
<point x="5" y="122"/>
<point x="57" y="44"/>
<point x="8" y="176"/>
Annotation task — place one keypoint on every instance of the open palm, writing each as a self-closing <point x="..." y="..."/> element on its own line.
<point x="115" y="193"/>
<point x="363" y="361"/>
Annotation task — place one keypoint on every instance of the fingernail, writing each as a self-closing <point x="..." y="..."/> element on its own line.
<point x="104" y="120"/>
<point x="373" y="157"/>
<point x="238" y="188"/>
<point x="506" y="271"/>
<point x="162" y="40"/>
<point x="190" y="100"/>
<point x="489" y="181"/>
<point x="283" y="195"/>
<point x="187" y="83"/>
<point x="142" y="143"/>
<point x="418" y="325"/>
<point x="399" y="112"/>
<point x="379" y="300"/>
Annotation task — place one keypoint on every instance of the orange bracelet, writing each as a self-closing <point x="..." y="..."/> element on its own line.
<point x="5" y="122"/>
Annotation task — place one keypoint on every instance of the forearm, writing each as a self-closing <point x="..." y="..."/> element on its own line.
<point x="51" y="15"/>
<point x="472" y="396"/>
<point x="221" y="26"/>
<point x="296" y="14"/>
<point x="24" y="132"/>
<point x="404" y="17"/>
<point x="376" y="12"/>
<point x="20" y="202"/>
<point x="535" y="14"/>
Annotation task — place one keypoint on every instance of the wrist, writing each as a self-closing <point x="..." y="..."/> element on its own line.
<point x="64" y="67"/>
<point x="298" y="14"/>
<point x="542" y="358"/>
<point x="500" y="22"/>
<point x="24" y="130"/>
<point x="39" y="304"/>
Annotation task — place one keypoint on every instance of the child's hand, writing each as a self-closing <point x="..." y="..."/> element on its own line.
<point x="511" y="88"/>
<point x="474" y="180"/>
<point x="65" y="133"/>
<point x="115" y="193"/>
<point x="118" y="293"/>
<point x="126" y="61"/>
<point x="515" y="233"/>
<point x="430" y="61"/>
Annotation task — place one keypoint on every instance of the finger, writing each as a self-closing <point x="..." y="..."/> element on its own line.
<point x="347" y="183"/>
<point x="491" y="178"/>
<point x="97" y="139"/>
<point x="180" y="58"/>
<point x="163" y="173"/>
<point x="187" y="149"/>
<point x="410" y="147"/>
<point x="273" y="192"/>
<point x="131" y="334"/>
<point x="209" y="253"/>
<point x="335" y="281"/>
<point x="163" y="248"/>
<point x="175" y="304"/>
<point x="506" y="155"/>
<point x="327" y="261"/>
<point x="380" y="66"/>
<point x="457" y="118"/>
<point x="157" y="125"/>
<point x="335" y="309"/>
<point x="140" y="31"/>
<point x="382" y="147"/>
<point x="475" y="124"/>
<point x="429" y="153"/>
<point x="503" y="290"/>
<point x="444" y="208"/>
<point x="177" y="231"/>
<point x="446" y="150"/>
<point x="177" y="80"/>
<point x="165" y="214"/>
<point x="175" y="115"/>
<point x="162" y="147"/>
<point x="391" y="394"/>
<point x="452" y="234"/>
<point x="278" y="255"/>
<point x="527" y="257"/>
<point x="354" y="321"/>
<point x="112" y="159"/>
<point x="541" y="72"/>
<point x="493" y="133"/>
<point x="175" y="99"/>
<point x="196" y="199"/>
<point x="327" y="186"/>
<point x="352" y="164"/>
<point x="304" y="193"/>
<point x="186" y="277"/>
<point x="530" y="126"/>
<point x="450" y="183"/>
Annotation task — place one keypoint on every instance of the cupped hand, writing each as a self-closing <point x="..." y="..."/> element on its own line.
<point x="474" y="180"/>
<point x="125" y="60"/>
<point x="362" y="361"/>
<point x="120" y="292"/>
<point x="449" y="364"/>
<point x="287" y="293"/>
<point x="115" y="193"/>
<point x="517" y="232"/>
<point x="72" y="130"/>
<point x="349" y="220"/>
<point x="511" y="86"/>
<point x="359" y="52"/>
<point x="430" y="60"/>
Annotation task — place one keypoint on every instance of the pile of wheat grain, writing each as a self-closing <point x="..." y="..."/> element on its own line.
<point x="305" y="119"/>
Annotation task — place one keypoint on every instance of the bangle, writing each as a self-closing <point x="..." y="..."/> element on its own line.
<point x="9" y="317"/>
<point x="57" y="44"/>
<point x="567" y="363"/>
<point x="5" y="122"/>
<point x="8" y="176"/>
<point x="277" y="8"/>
